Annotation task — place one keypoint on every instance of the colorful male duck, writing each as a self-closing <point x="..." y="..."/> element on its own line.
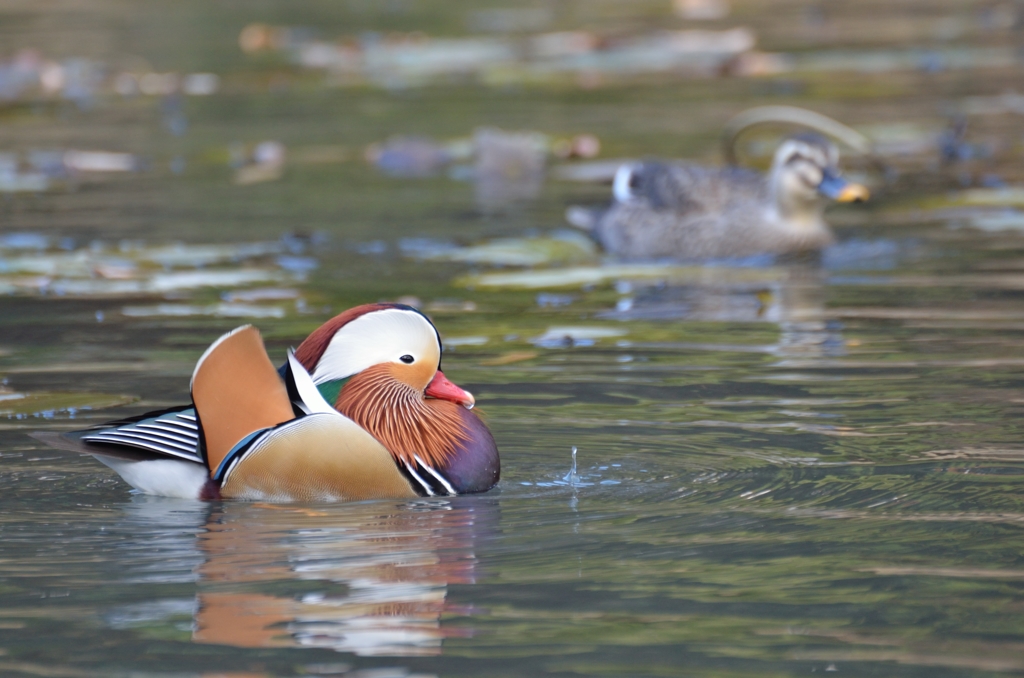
<point x="360" y="411"/>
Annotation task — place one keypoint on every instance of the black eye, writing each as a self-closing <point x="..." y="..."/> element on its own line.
<point x="407" y="359"/>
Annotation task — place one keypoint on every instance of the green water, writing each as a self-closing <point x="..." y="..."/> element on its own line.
<point x="781" y="470"/>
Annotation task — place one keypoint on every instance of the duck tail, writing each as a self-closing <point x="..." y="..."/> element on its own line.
<point x="148" y="471"/>
<point x="59" y="442"/>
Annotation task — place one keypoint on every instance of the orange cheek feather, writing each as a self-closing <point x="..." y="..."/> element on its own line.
<point x="381" y="400"/>
<point x="415" y="376"/>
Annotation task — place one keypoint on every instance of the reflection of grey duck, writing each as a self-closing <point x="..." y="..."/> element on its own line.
<point x="688" y="211"/>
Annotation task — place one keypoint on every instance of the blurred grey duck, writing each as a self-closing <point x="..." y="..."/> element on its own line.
<point x="688" y="211"/>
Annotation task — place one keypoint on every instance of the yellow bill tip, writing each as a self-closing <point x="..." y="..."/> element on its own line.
<point x="853" y="193"/>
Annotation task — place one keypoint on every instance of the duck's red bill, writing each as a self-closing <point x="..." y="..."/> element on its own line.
<point x="442" y="389"/>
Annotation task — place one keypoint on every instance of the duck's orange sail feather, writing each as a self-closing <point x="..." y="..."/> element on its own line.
<point x="237" y="391"/>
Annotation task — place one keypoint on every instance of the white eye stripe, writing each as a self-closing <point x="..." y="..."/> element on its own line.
<point x="822" y="155"/>
<point x="375" y="338"/>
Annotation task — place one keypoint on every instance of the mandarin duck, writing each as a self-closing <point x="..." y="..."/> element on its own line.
<point x="360" y="410"/>
<point x="688" y="211"/>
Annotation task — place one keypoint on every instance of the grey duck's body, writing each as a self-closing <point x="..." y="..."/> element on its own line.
<point x="688" y="211"/>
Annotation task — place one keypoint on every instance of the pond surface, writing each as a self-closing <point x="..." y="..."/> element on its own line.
<point x="781" y="467"/>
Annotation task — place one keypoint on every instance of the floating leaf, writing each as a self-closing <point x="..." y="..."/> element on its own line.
<point x="992" y="197"/>
<point x="46" y="404"/>
<point x="562" y="248"/>
<point x="224" y="310"/>
<point x="579" y="276"/>
<point x="509" y="358"/>
<point x="557" y="337"/>
<point x="452" y="342"/>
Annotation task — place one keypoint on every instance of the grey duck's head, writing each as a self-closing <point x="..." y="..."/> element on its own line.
<point x="805" y="169"/>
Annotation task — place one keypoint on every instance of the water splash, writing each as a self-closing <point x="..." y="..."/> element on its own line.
<point x="571" y="476"/>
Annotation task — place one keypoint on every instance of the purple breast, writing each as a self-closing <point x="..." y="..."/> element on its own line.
<point x="475" y="467"/>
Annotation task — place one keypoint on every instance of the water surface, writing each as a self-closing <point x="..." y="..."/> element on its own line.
<point x="783" y="467"/>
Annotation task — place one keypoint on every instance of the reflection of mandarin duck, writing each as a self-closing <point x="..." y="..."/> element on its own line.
<point x="368" y="581"/>
<point x="359" y="411"/>
<point x="689" y="211"/>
